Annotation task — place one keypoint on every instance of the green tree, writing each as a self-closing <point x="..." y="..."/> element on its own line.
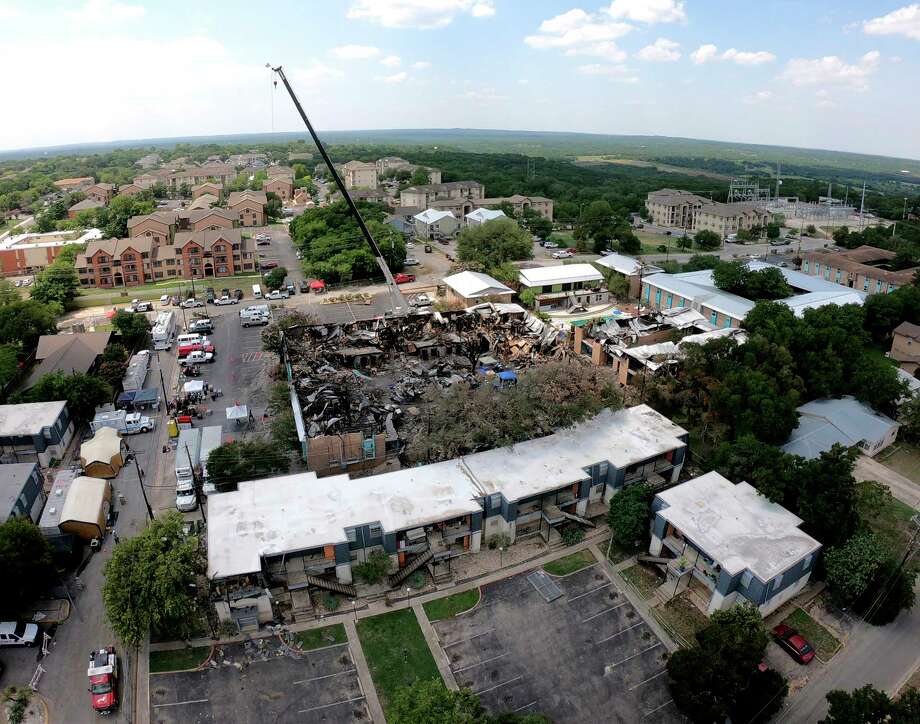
<point x="829" y="496"/>
<point x="133" y="329"/>
<point x="773" y="231"/>
<point x="419" y="177"/>
<point x="875" y="381"/>
<point x="430" y="702"/>
<point x="25" y="564"/>
<point x="273" y="206"/>
<point x="58" y="283"/>
<point x="850" y="568"/>
<point x="630" y="513"/>
<point x="114" y="218"/>
<point x="84" y="393"/>
<point x="8" y="293"/>
<point x="113" y="365"/>
<point x="148" y="582"/>
<point x="774" y="473"/>
<point x="730" y="276"/>
<point x="374" y="568"/>
<point x="811" y="230"/>
<point x="684" y="242"/>
<point x="840" y="235"/>
<point x="184" y="191"/>
<point x="25" y="321"/>
<point x="234" y="462"/>
<point x="541" y="227"/>
<point x="707" y="240"/>
<point x="868" y="705"/>
<point x="909" y="417"/>
<point x="9" y="364"/>
<point x="494" y="243"/>
<point x="300" y="170"/>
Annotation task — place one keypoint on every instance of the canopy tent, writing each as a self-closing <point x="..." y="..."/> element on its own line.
<point x="237" y="412"/>
<point x="102" y="455"/>
<point x="193" y="387"/>
<point x="86" y="507"/>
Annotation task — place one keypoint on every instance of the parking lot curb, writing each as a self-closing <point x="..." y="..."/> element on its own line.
<point x="364" y="673"/>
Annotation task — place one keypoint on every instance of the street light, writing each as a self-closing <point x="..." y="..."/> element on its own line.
<point x="354" y="608"/>
<point x="501" y="556"/>
<point x="408" y="597"/>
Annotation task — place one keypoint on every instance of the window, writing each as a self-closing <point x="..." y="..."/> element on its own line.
<point x="817" y="269"/>
<point x="375" y="530"/>
<point x="805" y="266"/>
<point x="837" y="277"/>
<point x="878" y="286"/>
<point x="866" y="284"/>
<point x="670" y="300"/>
<point x="714" y="318"/>
<point x="352" y="535"/>
<point x="827" y="272"/>
<point x="891" y="288"/>
<point x="495" y="500"/>
<point x="808" y="559"/>
<point x="746" y="579"/>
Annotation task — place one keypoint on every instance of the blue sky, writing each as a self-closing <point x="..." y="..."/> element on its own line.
<point x="839" y="75"/>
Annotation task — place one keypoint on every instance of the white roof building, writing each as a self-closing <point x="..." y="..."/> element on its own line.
<point x="473" y="285"/>
<point x="482" y="215"/>
<point x="626" y="265"/>
<point x="847" y="422"/>
<point x="544" y="276"/>
<point x="431" y="216"/>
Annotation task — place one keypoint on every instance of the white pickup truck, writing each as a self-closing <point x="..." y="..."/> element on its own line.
<point x="131" y="423"/>
<point x="196" y="358"/>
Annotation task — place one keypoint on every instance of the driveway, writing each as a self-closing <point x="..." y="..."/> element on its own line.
<point x="901" y="487"/>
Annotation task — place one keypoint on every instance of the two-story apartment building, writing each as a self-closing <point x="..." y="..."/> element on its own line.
<point x="733" y="541"/>
<point x="131" y="189"/>
<point x="281" y="186"/>
<point x="208" y="219"/>
<point x="101" y="192"/>
<point x="34" y="432"/>
<point x="84" y="205"/>
<point x="866" y="268"/>
<point x="220" y="172"/>
<point x="432" y="224"/>
<point x="727" y="219"/>
<point x="108" y="263"/>
<point x="905" y="347"/>
<point x="320" y="527"/>
<point x="540" y="204"/>
<point x="247" y="207"/>
<point x="464" y="192"/>
<point x="671" y="207"/>
<point x="213" y="253"/>
<point x="564" y="285"/>
<point x="160" y="226"/>
<point x="208" y="187"/>
<point x="359" y="175"/>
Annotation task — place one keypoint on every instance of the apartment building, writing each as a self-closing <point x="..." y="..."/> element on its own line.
<point x="253" y="159"/>
<point x="390" y="163"/>
<point x="84" y="205"/>
<point x="563" y="286"/>
<point x="321" y="527"/>
<point x="220" y="172"/>
<point x="281" y="186"/>
<point x="671" y="207"/>
<point x="108" y="263"/>
<point x="540" y="204"/>
<point x="31" y="253"/>
<point x="433" y="225"/>
<point x="247" y="207"/>
<point x="866" y="268"/>
<point x="100" y="192"/>
<point x="131" y="189"/>
<point x="160" y="226"/>
<point x="280" y="172"/>
<point x="359" y="175"/>
<point x="208" y="187"/>
<point x="464" y="193"/>
<point x="214" y="253"/>
<point x="209" y="219"/>
<point x="70" y="185"/>
<point x="905" y="347"/>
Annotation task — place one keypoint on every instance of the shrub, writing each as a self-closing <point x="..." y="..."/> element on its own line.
<point x="573" y="534"/>
<point x="374" y="569"/>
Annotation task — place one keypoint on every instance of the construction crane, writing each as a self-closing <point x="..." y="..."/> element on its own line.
<point x="398" y="306"/>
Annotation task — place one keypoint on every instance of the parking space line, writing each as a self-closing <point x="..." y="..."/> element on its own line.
<point x="181" y="703"/>
<point x="463" y="641"/>
<point x="606" y="610"/>
<point x="497" y="686"/>
<point x="327" y="676"/>
<point x="327" y="706"/>
<point x="669" y="701"/>
<point x="593" y="590"/>
<point x="457" y="671"/>
<point x="526" y="706"/>
<point x="629" y="628"/>
<point x="636" y="686"/>
<point x="629" y="658"/>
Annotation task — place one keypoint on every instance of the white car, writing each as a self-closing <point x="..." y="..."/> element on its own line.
<point x="196" y="358"/>
<point x="263" y="237"/>
<point x="164" y="299"/>
<point x="222" y="301"/>
<point x="18" y="634"/>
<point x="254" y="320"/>
<point x="278" y="294"/>
<point x="550" y="245"/>
<point x="411" y="261"/>
<point x="186" y="500"/>
<point x="191" y="303"/>
<point x="564" y="254"/>
<point x="422" y="300"/>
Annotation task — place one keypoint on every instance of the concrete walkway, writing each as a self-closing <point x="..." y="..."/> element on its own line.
<point x="364" y="673"/>
<point x="431" y="638"/>
<point x="902" y="488"/>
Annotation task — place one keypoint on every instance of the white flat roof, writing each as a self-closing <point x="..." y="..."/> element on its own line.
<point x="559" y="274"/>
<point x="28" y="418"/>
<point x="48" y="239"/>
<point x="475" y="284"/>
<point x="432" y="215"/>
<point x="483" y="214"/>
<point x="625" y="264"/>
<point x="738" y="527"/>
<point x="298" y="512"/>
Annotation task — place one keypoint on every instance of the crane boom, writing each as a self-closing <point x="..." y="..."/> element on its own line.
<point x="397" y="302"/>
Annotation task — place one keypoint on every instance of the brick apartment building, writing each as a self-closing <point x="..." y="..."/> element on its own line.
<point x="866" y="268"/>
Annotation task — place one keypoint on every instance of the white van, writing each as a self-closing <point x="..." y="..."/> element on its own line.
<point x="256" y="291"/>
<point x="192" y="338"/>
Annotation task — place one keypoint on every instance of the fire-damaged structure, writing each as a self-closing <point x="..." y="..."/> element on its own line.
<point x="356" y="388"/>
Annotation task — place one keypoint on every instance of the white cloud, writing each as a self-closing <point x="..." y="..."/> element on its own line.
<point x="832" y="70"/>
<point x="903" y="21"/>
<point x="704" y="53"/>
<point x="354" y="52"/>
<point x="759" y="97"/>
<point x="648" y="11"/>
<point x="421" y="65"/>
<point x="742" y="57"/>
<point x="579" y="33"/>
<point x="608" y="50"/>
<point x="396" y="78"/>
<point x="824" y="99"/>
<point x="97" y="11"/>
<point x="483" y="95"/>
<point x="662" y="50"/>
<point x="391" y="61"/>
<point x="618" y="72"/>
<point x="422" y="14"/>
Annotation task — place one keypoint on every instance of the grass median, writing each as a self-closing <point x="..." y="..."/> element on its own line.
<point x="569" y="564"/>
<point x="450" y="606"/>
<point x="178" y="659"/>
<point x="317" y="638"/>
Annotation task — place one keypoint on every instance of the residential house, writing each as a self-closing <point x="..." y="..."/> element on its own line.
<point x="100" y="192"/>
<point x="905" y="347"/>
<point x="518" y="203"/>
<point x="403" y="219"/>
<point x="31" y="253"/>
<point x="247" y="207"/>
<point x="203" y="201"/>
<point x="729" y="544"/>
<point x="630" y="269"/>
<point x="698" y="291"/>
<point x="22" y="493"/>
<point x="213" y="218"/>
<point x="208" y="187"/>
<point x="131" y="189"/>
<point x="34" y="432"/>
<point x="70" y="185"/>
<point x="281" y="186"/>
<point x="280" y="172"/>
<point x="321" y="527"/>
<point x="865" y="268"/>
<point x="564" y="286"/>
<point x="359" y="175"/>
<point x="160" y="226"/>
<point x="434" y="225"/>
<point x="85" y="205"/>
<point x="67" y="353"/>
<point x="482" y="215"/>
<point x="469" y="288"/>
<point x="845" y="421"/>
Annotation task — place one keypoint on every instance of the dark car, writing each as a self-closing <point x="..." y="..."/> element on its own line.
<point x="790" y="640"/>
<point x="238" y="293"/>
<point x="304" y="286"/>
<point x="225" y="292"/>
<point x="263" y="242"/>
<point x="269" y="264"/>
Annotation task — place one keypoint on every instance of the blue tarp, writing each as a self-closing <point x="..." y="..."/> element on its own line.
<point x="507" y="376"/>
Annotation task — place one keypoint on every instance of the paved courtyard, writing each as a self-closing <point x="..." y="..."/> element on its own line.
<point x="319" y="686"/>
<point x="586" y="656"/>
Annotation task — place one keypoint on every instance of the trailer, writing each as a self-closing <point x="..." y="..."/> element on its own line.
<point x="164" y="330"/>
<point x="211" y="439"/>
<point x="188" y="455"/>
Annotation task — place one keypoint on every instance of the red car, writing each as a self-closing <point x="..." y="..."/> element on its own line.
<point x="793" y="643"/>
<point x="402" y="278"/>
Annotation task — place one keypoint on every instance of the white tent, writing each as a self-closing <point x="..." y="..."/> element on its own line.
<point x="237" y="412"/>
<point x="193" y="387"/>
<point x="86" y="507"/>
<point x="101" y="455"/>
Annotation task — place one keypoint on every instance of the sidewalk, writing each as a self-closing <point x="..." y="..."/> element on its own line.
<point x="431" y="638"/>
<point x="364" y="673"/>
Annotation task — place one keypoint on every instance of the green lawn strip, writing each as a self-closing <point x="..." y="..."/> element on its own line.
<point x="317" y="638"/>
<point x="617" y="553"/>
<point x="450" y="606"/>
<point x="903" y="458"/>
<point x="642" y="579"/>
<point x="892" y="524"/>
<point x="683" y="617"/>
<point x="825" y="643"/>
<point x="569" y="564"/>
<point x="178" y="659"/>
<point x="396" y="652"/>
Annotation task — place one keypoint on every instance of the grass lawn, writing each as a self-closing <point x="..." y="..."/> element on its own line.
<point x="683" y="617"/>
<point x="824" y="642"/>
<point x="643" y="579"/>
<point x="570" y="564"/>
<point x="892" y="524"/>
<point x="450" y="606"/>
<point x="617" y="553"/>
<point x="178" y="659"/>
<point x="396" y="652"/>
<point x="317" y="638"/>
<point x="905" y="459"/>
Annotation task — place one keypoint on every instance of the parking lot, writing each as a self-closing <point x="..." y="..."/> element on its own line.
<point x="319" y="686"/>
<point x="586" y="656"/>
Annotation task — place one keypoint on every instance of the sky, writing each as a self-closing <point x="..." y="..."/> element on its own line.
<point x="839" y="75"/>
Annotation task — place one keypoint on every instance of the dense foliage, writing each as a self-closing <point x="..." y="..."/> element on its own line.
<point x="430" y="702"/>
<point x="25" y="564"/>
<point x="492" y="244"/>
<point x="868" y="705"/>
<point x="83" y="392"/>
<point x="736" y="278"/>
<point x="133" y="329"/>
<point x="234" y="462"/>
<point x="629" y="515"/>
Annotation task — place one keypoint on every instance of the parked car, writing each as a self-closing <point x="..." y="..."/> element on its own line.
<point x="164" y="299"/>
<point x="139" y="306"/>
<point x="793" y="643"/>
<point x="174" y="300"/>
<point x="411" y="261"/>
<point x="201" y="325"/>
<point x="254" y="320"/>
<point x="196" y="358"/>
<point x="278" y="294"/>
<point x="564" y="254"/>
<point x="269" y="264"/>
<point x="263" y="237"/>
<point x="550" y="245"/>
<point x="225" y="292"/>
<point x="191" y="303"/>
<point x="304" y="286"/>
<point x="263" y="242"/>
<point x="221" y="301"/>
<point x="403" y="278"/>
<point x="780" y="242"/>
<point x="238" y="294"/>
<point x="422" y="300"/>
<point x="209" y="295"/>
<point x="16" y="633"/>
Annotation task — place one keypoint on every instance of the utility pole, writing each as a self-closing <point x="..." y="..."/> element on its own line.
<point x="140" y="481"/>
<point x="862" y="207"/>
<point x="195" y="484"/>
